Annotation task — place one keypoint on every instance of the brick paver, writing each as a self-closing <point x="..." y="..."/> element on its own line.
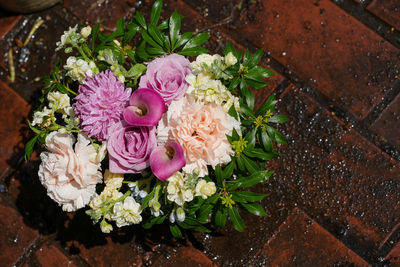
<point x="300" y="241"/>
<point x="346" y="187"/>
<point x="387" y="10"/>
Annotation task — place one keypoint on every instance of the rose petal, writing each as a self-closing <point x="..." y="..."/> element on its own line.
<point x="145" y="108"/>
<point x="162" y="165"/>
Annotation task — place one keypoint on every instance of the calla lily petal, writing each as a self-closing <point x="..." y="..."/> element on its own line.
<point x="166" y="160"/>
<point x="145" y="108"/>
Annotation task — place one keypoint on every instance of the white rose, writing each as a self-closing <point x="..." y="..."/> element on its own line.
<point x="69" y="174"/>
<point x="205" y="189"/>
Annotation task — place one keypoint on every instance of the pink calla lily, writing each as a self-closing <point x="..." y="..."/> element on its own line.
<point x="145" y="108"/>
<point x="166" y="160"/>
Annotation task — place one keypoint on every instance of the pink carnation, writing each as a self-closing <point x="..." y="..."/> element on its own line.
<point x="201" y="130"/>
<point x="100" y="103"/>
<point x="166" y="75"/>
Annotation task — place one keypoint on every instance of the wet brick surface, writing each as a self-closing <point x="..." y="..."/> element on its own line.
<point x="327" y="48"/>
<point x="300" y="241"/>
<point x="387" y="10"/>
<point x="334" y="199"/>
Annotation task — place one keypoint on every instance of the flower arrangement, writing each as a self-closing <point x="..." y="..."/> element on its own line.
<point x="132" y="129"/>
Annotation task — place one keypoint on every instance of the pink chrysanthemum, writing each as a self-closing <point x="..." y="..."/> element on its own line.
<point x="100" y="103"/>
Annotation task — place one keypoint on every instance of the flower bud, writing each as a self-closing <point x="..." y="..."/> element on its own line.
<point x="105" y="227"/>
<point x="230" y="59"/>
<point x="180" y="214"/>
<point x="86" y="31"/>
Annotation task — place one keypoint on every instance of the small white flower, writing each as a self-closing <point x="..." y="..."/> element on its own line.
<point x="176" y="190"/>
<point x="86" y="31"/>
<point x="204" y="60"/>
<point x="230" y="59"/>
<point x="127" y="212"/>
<point x="205" y="189"/>
<point x="39" y="115"/>
<point x="69" y="36"/>
<point x="77" y="68"/>
<point x="180" y="214"/>
<point x="105" y="227"/>
<point x="59" y="102"/>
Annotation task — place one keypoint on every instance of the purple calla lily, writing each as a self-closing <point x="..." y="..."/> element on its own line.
<point x="166" y="160"/>
<point x="145" y="108"/>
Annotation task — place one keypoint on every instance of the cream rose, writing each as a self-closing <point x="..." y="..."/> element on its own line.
<point x="69" y="175"/>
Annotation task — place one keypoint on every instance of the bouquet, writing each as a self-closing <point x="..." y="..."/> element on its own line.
<point x="142" y="126"/>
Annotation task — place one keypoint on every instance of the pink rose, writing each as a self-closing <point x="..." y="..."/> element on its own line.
<point x="166" y="75"/>
<point x="70" y="174"/>
<point x="129" y="147"/>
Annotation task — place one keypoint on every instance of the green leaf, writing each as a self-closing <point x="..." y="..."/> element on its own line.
<point x="155" y="12"/>
<point x="141" y="51"/>
<point x="29" y="147"/>
<point x="249" y="96"/>
<point x="256" y="84"/>
<point x="228" y="170"/>
<point x="140" y="19"/>
<point x="218" y="174"/>
<point x="246" y="110"/>
<point x="250" y="165"/>
<point x="255" y="58"/>
<point x="156" y="34"/>
<point x="175" y="231"/>
<point x="254" y="208"/>
<point x="174" y="28"/>
<point x="236" y="220"/>
<point x="184" y="38"/>
<point x="220" y="217"/>
<point x="154" y="220"/>
<point x="146" y="200"/>
<point x="245" y="196"/>
<point x="268" y="105"/>
<point x="240" y="164"/>
<point x="62" y="89"/>
<point x="120" y="26"/>
<point x="266" y="141"/>
<point x="95" y="32"/>
<point x="278" y="119"/>
<point x="246" y="58"/>
<point x="193" y="51"/>
<point x="251" y="137"/>
<point x="197" y="40"/>
<point x="257" y="73"/>
<point x="33" y="128"/>
<point x="195" y="204"/>
<point x="149" y="39"/>
<point x="258" y="153"/>
<point x="275" y="135"/>
<point x="232" y="112"/>
<point x="204" y="212"/>
<point x="253" y="179"/>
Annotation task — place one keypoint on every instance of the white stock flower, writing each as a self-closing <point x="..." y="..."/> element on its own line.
<point x="69" y="173"/>
<point x="230" y="59"/>
<point x="176" y="190"/>
<point x="127" y="212"/>
<point x="205" y="189"/>
<point x="86" y="31"/>
<point x="68" y="37"/>
<point x="204" y="60"/>
<point x="105" y="227"/>
<point x="77" y="68"/>
<point x="59" y="102"/>
<point x="39" y="115"/>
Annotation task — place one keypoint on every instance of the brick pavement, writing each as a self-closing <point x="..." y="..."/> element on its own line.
<point x="334" y="199"/>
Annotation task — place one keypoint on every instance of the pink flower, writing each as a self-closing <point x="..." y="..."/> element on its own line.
<point x="100" y="103"/>
<point x="166" y="75"/>
<point x="70" y="175"/>
<point x="129" y="147"/>
<point x="166" y="160"/>
<point x="201" y="130"/>
<point x="145" y="108"/>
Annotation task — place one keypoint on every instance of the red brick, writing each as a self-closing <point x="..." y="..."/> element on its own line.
<point x="7" y="23"/>
<point x="387" y="10"/>
<point x="92" y="12"/>
<point x="325" y="47"/>
<point x="51" y="255"/>
<point x="387" y="125"/>
<point x="15" y="236"/>
<point x="182" y="256"/>
<point x="13" y="114"/>
<point x="394" y="255"/>
<point x="300" y="241"/>
<point x="335" y="175"/>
